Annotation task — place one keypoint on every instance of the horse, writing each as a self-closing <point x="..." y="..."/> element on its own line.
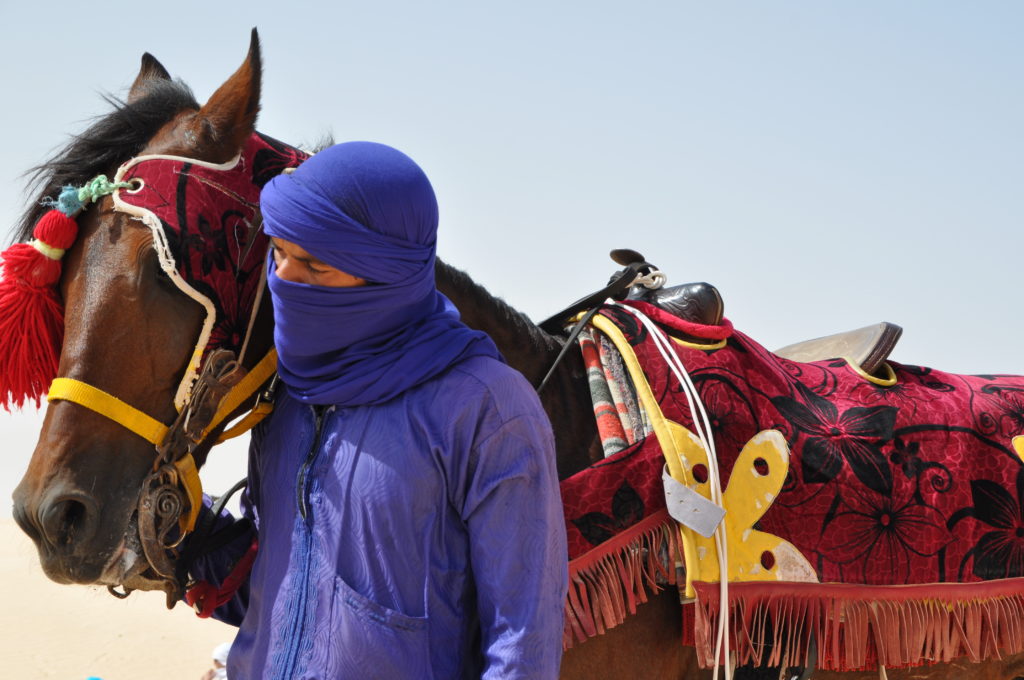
<point x="129" y="331"/>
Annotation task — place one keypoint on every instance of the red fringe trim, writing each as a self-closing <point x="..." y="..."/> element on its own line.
<point x="858" y="627"/>
<point x="607" y="583"/>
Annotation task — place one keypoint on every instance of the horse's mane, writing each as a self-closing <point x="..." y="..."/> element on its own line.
<point x="110" y="140"/>
<point x="473" y="297"/>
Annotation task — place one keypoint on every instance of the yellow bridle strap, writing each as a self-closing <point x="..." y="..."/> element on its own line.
<point x="186" y="466"/>
<point x="250" y="421"/>
<point x="153" y="431"/>
<point x="83" y="394"/>
<point x="245" y="388"/>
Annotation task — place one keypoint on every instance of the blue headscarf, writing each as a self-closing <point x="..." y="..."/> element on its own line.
<point x="368" y="210"/>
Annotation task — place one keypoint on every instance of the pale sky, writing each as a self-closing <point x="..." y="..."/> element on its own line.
<point x="827" y="165"/>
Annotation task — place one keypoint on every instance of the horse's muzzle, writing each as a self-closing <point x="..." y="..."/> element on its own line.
<point x="62" y="523"/>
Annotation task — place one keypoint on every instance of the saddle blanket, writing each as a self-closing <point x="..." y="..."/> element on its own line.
<point x="881" y="516"/>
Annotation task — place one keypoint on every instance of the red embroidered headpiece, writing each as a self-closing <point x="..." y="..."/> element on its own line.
<point x="205" y="223"/>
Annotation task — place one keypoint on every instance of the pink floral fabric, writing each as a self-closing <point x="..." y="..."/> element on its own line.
<point x="914" y="483"/>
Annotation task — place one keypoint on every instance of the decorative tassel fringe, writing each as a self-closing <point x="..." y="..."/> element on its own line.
<point x="31" y="314"/>
<point x="607" y="583"/>
<point x="863" y="627"/>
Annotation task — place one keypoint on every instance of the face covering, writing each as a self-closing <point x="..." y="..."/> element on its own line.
<point x="368" y="210"/>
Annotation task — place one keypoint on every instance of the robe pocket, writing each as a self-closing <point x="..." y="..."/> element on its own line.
<point x="372" y="641"/>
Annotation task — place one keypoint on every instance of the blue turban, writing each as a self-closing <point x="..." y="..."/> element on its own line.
<point x="368" y="210"/>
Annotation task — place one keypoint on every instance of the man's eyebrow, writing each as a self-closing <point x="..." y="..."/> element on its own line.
<point x="308" y="260"/>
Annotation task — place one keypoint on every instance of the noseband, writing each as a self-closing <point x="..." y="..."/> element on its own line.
<point x="172" y="494"/>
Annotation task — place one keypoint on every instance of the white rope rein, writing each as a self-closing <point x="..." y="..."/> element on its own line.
<point x="702" y="425"/>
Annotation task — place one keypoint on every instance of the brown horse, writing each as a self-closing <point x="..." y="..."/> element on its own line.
<point x="130" y="333"/>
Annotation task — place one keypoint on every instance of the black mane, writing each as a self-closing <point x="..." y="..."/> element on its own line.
<point x="109" y="141"/>
<point x="486" y="312"/>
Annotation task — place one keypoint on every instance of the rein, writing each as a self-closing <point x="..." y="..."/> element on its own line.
<point x="637" y="272"/>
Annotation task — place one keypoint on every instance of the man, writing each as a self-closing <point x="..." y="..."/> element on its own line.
<point x="404" y="489"/>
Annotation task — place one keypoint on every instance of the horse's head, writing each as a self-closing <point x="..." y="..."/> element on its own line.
<point x="141" y="306"/>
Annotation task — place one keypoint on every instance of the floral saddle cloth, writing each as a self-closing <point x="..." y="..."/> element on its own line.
<point x="876" y="520"/>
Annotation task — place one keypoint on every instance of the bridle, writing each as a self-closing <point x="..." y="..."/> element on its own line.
<point x="172" y="494"/>
<point x="216" y="384"/>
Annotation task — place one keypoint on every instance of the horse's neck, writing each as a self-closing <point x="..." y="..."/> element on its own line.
<point x="531" y="351"/>
<point x="525" y="346"/>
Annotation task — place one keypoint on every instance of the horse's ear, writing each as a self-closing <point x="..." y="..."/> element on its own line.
<point x="228" y="119"/>
<point x="150" y="72"/>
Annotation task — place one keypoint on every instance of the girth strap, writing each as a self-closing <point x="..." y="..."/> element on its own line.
<point x="94" y="399"/>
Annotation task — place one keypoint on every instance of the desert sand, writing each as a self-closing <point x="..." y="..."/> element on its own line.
<point x="49" y="630"/>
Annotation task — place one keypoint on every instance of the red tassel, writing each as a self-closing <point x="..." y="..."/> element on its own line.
<point x="31" y="314"/>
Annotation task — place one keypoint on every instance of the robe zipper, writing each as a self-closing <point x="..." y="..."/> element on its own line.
<point x="304" y="470"/>
<point x="300" y="608"/>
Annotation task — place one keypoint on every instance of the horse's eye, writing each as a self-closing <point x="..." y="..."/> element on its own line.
<point x="153" y="271"/>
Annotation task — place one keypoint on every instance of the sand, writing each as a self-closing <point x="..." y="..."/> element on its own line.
<point x="49" y="630"/>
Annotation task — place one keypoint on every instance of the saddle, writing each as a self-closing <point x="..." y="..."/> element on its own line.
<point x="701" y="303"/>
<point x="868" y="514"/>
<point x="867" y="347"/>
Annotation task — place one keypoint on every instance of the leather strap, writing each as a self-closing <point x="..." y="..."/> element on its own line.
<point x="569" y="342"/>
<point x="616" y="289"/>
<point x="245" y="388"/>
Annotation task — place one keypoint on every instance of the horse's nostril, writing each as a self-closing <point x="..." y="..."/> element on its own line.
<point x="65" y="522"/>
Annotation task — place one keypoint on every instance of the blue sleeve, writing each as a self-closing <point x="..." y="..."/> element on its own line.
<point x="513" y="512"/>
<point x="215" y="566"/>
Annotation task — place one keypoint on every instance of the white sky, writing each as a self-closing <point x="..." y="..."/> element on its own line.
<point x="827" y="165"/>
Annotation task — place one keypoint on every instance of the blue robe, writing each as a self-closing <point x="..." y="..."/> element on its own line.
<point x="418" y="538"/>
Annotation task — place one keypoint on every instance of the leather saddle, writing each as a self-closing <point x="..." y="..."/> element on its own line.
<point x="701" y="303"/>
<point x="867" y="347"/>
<point x="697" y="302"/>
